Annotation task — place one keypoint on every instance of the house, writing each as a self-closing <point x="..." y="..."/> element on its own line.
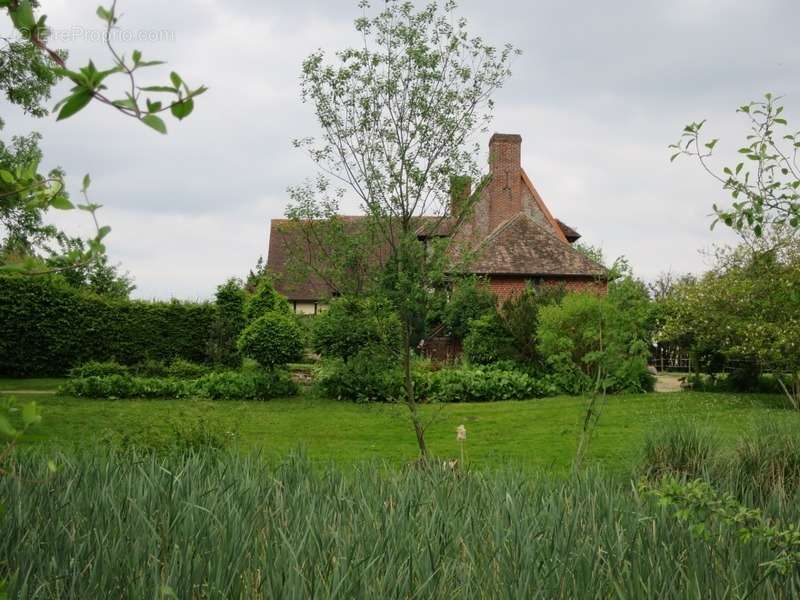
<point x="514" y="237"/>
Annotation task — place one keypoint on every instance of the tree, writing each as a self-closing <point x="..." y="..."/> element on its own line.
<point x="746" y="309"/>
<point x="765" y="185"/>
<point x="396" y="115"/>
<point x="520" y="316"/>
<point x="228" y="324"/>
<point x="264" y="300"/>
<point x="353" y="324"/>
<point x="273" y="340"/>
<point x="470" y="299"/>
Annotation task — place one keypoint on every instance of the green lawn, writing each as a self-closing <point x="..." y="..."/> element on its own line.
<point x="534" y="433"/>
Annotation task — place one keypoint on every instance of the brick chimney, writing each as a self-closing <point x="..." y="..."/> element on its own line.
<point x="505" y="188"/>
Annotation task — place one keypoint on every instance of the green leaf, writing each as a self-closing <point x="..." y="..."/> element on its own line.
<point x="30" y="414"/>
<point x="155" y="122"/>
<point x="137" y="56"/>
<point x="175" y="79"/>
<point x="181" y="110"/>
<point x="103" y="232"/>
<point x="74" y="103"/>
<point x="104" y="14"/>
<point x="87" y="181"/>
<point x="6" y="176"/>
<point x="6" y="430"/>
<point x="61" y="203"/>
<point x="159" y="88"/>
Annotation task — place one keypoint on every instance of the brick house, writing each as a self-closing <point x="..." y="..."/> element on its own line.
<point x="516" y="239"/>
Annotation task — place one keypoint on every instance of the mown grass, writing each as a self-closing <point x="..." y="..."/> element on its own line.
<point x="38" y="384"/>
<point x="216" y="525"/>
<point x="528" y="434"/>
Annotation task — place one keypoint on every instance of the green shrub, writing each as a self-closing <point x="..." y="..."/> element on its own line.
<point x="265" y="300"/>
<point x="184" y="369"/>
<point x="227" y="385"/>
<point x="227" y="325"/>
<point x="587" y="336"/>
<point x="46" y="328"/>
<point x="369" y="377"/>
<point x="352" y="324"/>
<point x="520" y="317"/>
<point x="230" y="385"/>
<point x="273" y="339"/>
<point x="488" y="340"/>
<point x="470" y="299"/>
<point x="95" y="368"/>
<point x="150" y="368"/>
<point x="486" y="384"/>
<point x="125" y="386"/>
<point x="680" y="449"/>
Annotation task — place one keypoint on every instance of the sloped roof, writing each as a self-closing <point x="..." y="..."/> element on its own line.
<point x="569" y="232"/>
<point x="520" y="246"/>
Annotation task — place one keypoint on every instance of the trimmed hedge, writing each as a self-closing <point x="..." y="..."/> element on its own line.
<point x="46" y="328"/>
<point x="227" y="385"/>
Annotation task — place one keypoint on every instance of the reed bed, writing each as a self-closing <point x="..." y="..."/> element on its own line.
<point x="219" y="525"/>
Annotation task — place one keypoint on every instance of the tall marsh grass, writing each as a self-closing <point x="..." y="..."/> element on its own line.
<point x="216" y="525"/>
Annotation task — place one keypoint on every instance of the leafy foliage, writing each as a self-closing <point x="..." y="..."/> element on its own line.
<point x="470" y="299"/>
<point x="46" y="328"/>
<point x="273" y="339"/>
<point x="487" y="384"/>
<point x="520" y="318"/>
<point x="587" y="339"/>
<point x="746" y="309"/>
<point x="766" y="187"/>
<point x="488" y="340"/>
<point x="367" y="376"/>
<point x="264" y="300"/>
<point x="226" y="385"/>
<point x="228" y="323"/>
<point x="351" y="324"/>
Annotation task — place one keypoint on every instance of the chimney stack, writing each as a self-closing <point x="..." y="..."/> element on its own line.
<point x="505" y="188"/>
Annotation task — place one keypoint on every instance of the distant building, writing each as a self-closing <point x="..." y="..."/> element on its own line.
<point x="515" y="238"/>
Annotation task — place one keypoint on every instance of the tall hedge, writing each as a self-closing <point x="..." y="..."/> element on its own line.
<point x="46" y="328"/>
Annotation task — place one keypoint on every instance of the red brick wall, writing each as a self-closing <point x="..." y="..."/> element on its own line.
<point x="505" y="188"/>
<point x="505" y="286"/>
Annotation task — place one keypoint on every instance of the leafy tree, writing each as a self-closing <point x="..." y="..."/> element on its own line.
<point x="228" y="324"/>
<point x="470" y="299"/>
<point x="520" y="317"/>
<point x="488" y="341"/>
<point x="264" y="300"/>
<point x="765" y="185"/>
<point x="746" y="309"/>
<point x="273" y="339"/>
<point x="588" y="341"/>
<point x="396" y="114"/>
<point x="353" y="324"/>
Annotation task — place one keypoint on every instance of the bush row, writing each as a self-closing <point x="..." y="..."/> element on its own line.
<point x="46" y="328"/>
<point x="178" y="368"/>
<point x="226" y="385"/>
<point x="367" y="378"/>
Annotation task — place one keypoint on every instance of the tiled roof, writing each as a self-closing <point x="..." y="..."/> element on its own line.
<point x="520" y="246"/>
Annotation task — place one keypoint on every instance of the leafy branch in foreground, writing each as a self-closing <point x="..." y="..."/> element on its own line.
<point x="766" y="187"/>
<point x="43" y="194"/>
<point x="705" y="509"/>
<point x="90" y="83"/>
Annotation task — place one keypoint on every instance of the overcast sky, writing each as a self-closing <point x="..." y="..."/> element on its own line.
<point x="600" y="91"/>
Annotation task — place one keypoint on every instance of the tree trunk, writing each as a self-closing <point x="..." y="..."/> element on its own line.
<point x="419" y="430"/>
